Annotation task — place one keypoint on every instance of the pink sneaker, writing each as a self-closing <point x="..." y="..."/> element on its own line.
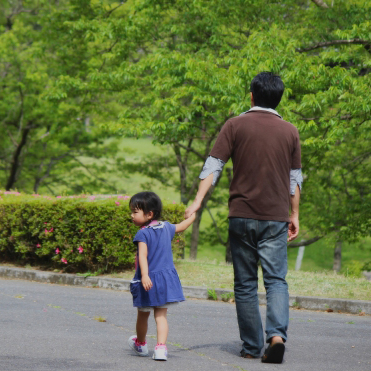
<point x="139" y="348"/>
<point x="160" y="353"/>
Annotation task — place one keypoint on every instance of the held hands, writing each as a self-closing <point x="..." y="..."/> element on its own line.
<point x="192" y="209"/>
<point x="293" y="228"/>
<point x="147" y="283"/>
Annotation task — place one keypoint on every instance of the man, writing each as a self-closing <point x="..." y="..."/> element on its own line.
<point x="266" y="156"/>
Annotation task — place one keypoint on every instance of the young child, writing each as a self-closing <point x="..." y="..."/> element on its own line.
<point x="156" y="285"/>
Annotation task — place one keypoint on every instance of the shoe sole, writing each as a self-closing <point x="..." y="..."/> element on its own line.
<point x="274" y="354"/>
<point x="159" y="359"/>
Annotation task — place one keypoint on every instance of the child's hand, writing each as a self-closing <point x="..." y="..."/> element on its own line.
<point x="192" y="209"/>
<point x="147" y="283"/>
<point x="192" y="218"/>
<point x="182" y="226"/>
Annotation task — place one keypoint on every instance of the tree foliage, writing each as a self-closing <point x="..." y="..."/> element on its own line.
<point x="44" y="139"/>
<point x="177" y="70"/>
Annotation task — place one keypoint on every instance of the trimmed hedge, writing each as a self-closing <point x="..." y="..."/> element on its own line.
<point x="73" y="234"/>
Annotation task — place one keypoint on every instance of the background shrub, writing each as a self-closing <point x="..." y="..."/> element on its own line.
<point x="74" y="234"/>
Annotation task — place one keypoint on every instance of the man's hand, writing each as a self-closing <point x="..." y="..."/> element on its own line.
<point x="293" y="228"/>
<point x="192" y="209"/>
<point x="204" y="186"/>
<point x="147" y="283"/>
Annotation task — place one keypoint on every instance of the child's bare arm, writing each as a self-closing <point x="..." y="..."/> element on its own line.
<point x="143" y="263"/>
<point x="182" y="226"/>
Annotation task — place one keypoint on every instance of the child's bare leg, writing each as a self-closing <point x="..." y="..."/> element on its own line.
<point x="142" y="325"/>
<point x="162" y="326"/>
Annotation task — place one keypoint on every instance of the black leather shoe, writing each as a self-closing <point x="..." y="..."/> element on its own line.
<point x="274" y="353"/>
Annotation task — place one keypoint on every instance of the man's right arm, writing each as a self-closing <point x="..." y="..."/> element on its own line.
<point x="210" y="173"/>
<point x="204" y="186"/>
<point x="213" y="166"/>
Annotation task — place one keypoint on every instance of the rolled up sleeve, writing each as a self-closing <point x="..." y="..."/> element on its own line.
<point x="213" y="166"/>
<point x="296" y="178"/>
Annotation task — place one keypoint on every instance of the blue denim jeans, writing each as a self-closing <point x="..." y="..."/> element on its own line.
<point x="253" y="240"/>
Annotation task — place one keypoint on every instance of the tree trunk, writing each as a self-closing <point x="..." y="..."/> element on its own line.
<point x="183" y="174"/>
<point x="36" y="184"/>
<point x="337" y="256"/>
<point x="195" y="235"/>
<point x="196" y="225"/>
<point x="304" y="242"/>
<point x="15" y="160"/>
<point x="320" y="3"/>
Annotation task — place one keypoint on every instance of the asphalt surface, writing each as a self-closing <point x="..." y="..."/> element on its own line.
<point x="47" y="327"/>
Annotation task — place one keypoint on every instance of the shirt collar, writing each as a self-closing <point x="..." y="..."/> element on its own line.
<point x="257" y="108"/>
<point x="154" y="225"/>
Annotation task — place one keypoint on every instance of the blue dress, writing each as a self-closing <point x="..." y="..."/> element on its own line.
<point x="166" y="283"/>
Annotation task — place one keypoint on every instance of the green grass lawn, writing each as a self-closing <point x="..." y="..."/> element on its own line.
<point x="133" y="149"/>
<point x="212" y="275"/>
<point x="318" y="257"/>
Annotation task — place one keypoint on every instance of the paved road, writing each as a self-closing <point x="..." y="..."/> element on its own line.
<point x="47" y="327"/>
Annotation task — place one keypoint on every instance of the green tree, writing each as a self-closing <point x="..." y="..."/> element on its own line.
<point x="43" y="139"/>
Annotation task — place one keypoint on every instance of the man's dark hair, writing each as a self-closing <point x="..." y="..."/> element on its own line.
<point x="147" y="201"/>
<point x="267" y="89"/>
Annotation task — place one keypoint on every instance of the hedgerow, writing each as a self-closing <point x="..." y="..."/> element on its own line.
<point x="73" y="234"/>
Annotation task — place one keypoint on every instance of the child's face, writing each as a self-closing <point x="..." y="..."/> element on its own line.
<point x="139" y="218"/>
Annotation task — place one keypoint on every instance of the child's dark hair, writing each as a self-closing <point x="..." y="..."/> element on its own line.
<point x="147" y="201"/>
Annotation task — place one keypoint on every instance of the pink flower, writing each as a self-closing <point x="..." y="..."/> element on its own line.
<point x="45" y="223"/>
<point x="63" y="260"/>
<point x="174" y="202"/>
<point x="92" y="198"/>
<point x="59" y="196"/>
<point x="38" y="245"/>
<point x="120" y="197"/>
<point x="51" y="230"/>
<point x="71" y="250"/>
<point x="81" y="250"/>
<point x="117" y="203"/>
<point x="46" y="231"/>
<point x="177" y="241"/>
<point x="126" y="197"/>
<point x="57" y="251"/>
